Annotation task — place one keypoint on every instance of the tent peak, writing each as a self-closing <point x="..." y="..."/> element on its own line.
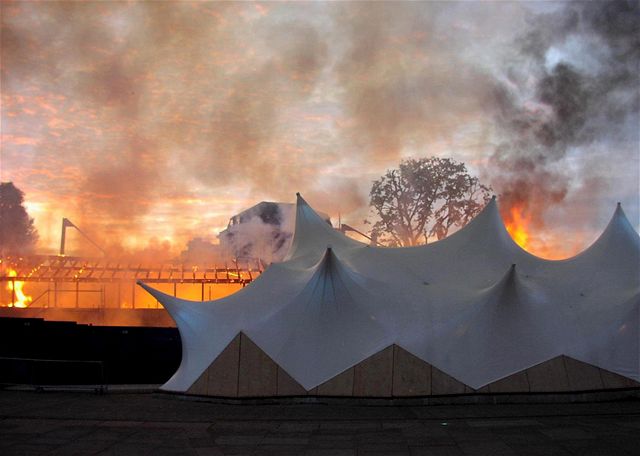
<point x="619" y="211"/>
<point x="300" y="201"/>
<point x="328" y="256"/>
<point x="508" y="278"/>
<point x="620" y="215"/>
<point x="618" y="235"/>
<point x="313" y="234"/>
<point x="488" y="218"/>
<point x="505" y="291"/>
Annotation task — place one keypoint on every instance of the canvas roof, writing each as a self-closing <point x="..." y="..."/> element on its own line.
<point x="475" y="305"/>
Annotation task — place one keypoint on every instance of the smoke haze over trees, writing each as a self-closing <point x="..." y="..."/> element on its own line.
<point x="423" y="199"/>
<point x="175" y="115"/>
<point x="17" y="232"/>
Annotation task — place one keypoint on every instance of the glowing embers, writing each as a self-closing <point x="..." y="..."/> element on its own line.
<point x="18" y="297"/>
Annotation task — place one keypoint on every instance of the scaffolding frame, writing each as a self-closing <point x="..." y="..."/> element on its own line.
<point x="57" y="270"/>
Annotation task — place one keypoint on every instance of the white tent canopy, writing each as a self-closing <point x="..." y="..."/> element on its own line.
<point x="474" y="305"/>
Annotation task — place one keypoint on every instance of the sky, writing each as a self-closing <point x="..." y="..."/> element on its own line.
<point x="151" y="123"/>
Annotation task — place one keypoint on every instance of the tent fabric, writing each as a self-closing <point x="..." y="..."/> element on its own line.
<point x="334" y="314"/>
<point x="474" y="305"/>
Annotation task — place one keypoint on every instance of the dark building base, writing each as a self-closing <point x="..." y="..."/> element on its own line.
<point x="35" y="351"/>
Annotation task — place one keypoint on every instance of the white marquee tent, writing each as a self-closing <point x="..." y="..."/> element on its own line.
<point x="474" y="307"/>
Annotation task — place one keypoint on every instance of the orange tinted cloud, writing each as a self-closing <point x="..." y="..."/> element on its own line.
<point x="19" y="140"/>
<point x="128" y="117"/>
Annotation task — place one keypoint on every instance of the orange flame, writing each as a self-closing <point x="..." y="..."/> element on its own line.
<point x="20" y="299"/>
<point x="517" y="224"/>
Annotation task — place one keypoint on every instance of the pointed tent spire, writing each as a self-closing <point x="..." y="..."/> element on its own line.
<point x="508" y="290"/>
<point x="620" y="226"/>
<point x="313" y="234"/>
<point x="487" y="223"/>
<point x="326" y="289"/>
<point x="507" y="280"/>
<point x="484" y="234"/>
<point x="618" y="242"/>
<point x="331" y="322"/>
<point x="478" y="251"/>
<point x="502" y="331"/>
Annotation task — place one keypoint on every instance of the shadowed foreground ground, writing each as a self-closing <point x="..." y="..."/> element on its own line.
<point x="157" y="424"/>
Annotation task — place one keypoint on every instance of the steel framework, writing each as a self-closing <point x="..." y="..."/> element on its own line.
<point x="57" y="270"/>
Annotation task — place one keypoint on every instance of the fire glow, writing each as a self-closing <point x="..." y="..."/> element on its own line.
<point x="19" y="298"/>
<point x="517" y="224"/>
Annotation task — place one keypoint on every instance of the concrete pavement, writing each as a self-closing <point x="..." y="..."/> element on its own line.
<point x="76" y="423"/>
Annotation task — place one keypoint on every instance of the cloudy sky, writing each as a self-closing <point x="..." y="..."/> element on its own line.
<point x="150" y="123"/>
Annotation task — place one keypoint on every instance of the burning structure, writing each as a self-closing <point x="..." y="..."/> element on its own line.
<point x="470" y="313"/>
<point x="103" y="291"/>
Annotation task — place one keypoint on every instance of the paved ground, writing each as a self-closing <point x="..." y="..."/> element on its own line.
<point x="156" y="424"/>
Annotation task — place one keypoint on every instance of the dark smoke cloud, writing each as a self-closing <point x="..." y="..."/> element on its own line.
<point x="574" y="102"/>
<point x="141" y="119"/>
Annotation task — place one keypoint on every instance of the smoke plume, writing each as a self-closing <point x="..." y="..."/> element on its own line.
<point x="134" y="96"/>
<point x="557" y="98"/>
<point x="142" y="120"/>
<point x="405" y="82"/>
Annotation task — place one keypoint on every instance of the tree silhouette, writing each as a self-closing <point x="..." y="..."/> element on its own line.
<point x="424" y="198"/>
<point x="17" y="233"/>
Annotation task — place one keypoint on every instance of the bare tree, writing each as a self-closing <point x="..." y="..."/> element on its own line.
<point x="424" y="198"/>
<point x="17" y="233"/>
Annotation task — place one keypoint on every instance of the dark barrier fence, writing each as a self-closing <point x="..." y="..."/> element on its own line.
<point x="38" y="352"/>
<point x="50" y="372"/>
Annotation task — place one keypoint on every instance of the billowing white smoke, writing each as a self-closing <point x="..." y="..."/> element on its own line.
<point x="263" y="232"/>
